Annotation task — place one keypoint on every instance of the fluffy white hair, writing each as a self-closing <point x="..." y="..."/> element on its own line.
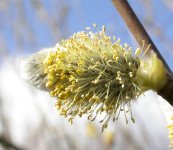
<point x="31" y="69"/>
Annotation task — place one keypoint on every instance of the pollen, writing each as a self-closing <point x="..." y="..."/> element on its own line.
<point x="91" y="73"/>
<point x="170" y="136"/>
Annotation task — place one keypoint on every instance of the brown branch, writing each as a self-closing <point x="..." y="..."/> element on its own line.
<point x="140" y="34"/>
<point x="7" y="144"/>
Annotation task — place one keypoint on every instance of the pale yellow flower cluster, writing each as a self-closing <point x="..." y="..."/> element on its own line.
<point x="170" y="127"/>
<point x="91" y="73"/>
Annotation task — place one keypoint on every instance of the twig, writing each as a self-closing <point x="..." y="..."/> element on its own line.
<point x="7" y="144"/>
<point x="140" y="34"/>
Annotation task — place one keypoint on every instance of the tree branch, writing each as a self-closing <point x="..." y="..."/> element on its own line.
<point x="140" y="34"/>
<point x="7" y="144"/>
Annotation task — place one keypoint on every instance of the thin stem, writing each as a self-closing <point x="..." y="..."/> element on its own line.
<point x="7" y="144"/>
<point x="140" y="34"/>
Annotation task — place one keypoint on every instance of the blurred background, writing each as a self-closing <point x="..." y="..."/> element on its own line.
<point x="28" y="119"/>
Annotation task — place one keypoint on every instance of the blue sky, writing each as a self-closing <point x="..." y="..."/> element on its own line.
<point x="85" y="13"/>
<point x="82" y="13"/>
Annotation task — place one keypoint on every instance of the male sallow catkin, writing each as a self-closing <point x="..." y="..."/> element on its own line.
<point x="92" y="73"/>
